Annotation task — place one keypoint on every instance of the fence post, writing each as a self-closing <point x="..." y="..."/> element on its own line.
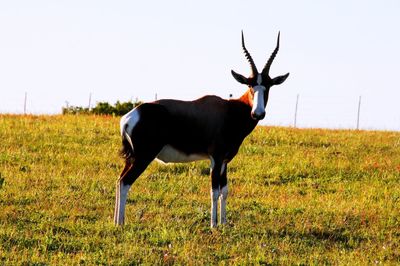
<point x="295" y="111"/>
<point x="358" y="113"/>
<point x="90" y="100"/>
<point x="26" y="96"/>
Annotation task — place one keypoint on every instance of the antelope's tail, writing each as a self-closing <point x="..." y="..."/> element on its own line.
<point x="127" y="150"/>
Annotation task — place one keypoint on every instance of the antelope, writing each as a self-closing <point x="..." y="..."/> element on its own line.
<point x="174" y="131"/>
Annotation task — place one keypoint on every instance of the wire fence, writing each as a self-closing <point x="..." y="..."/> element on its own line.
<point x="294" y="110"/>
<point x="357" y="112"/>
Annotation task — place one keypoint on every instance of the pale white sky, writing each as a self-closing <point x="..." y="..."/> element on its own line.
<point x="335" y="51"/>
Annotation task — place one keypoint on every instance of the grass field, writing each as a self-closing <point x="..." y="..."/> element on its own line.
<point x="297" y="196"/>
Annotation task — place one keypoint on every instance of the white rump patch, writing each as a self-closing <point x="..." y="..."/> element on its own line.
<point x="169" y="154"/>
<point x="129" y="119"/>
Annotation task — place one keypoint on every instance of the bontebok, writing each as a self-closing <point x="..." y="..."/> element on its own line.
<point x="212" y="128"/>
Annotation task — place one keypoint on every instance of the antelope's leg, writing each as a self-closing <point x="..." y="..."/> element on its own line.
<point x="117" y="209"/>
<point x="214" y="207"/>
<point x="223" y="184"/>
<point x="215" y="190"/>
<point x="131" y="172"/>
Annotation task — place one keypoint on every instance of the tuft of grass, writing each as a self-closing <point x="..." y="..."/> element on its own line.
<point x="297" y="196"/>
<point x="1" y="181"/>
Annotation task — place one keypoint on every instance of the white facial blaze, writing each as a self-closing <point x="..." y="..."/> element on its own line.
<point x="258" y="100"/>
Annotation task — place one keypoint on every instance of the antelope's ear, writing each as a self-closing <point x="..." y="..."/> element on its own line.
<point x="279" y="79"/>
<point x="240" y="78"/>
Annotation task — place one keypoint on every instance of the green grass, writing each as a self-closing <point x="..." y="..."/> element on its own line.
<point x="296" y="196"/>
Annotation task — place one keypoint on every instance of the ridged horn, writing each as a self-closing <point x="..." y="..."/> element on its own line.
<point x="271" y="58"/>
<point x="250" y="59"/>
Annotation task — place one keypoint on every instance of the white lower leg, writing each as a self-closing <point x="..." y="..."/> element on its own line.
<point x="120" y="202"/>
<point x="214" y="206"/>
<point x="224" y="196"/>
<point x="116" y="208"/>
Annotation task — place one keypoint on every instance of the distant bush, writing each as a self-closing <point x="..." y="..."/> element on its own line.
<point x="102" y="108"/>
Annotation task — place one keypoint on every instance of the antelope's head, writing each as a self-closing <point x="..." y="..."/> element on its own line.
<point x="259" y="83"/>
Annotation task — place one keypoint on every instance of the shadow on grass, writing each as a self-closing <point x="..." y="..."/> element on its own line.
<point x="326" y="237"/>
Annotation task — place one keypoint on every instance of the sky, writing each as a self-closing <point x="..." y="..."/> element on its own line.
<point x="60" y="52"/>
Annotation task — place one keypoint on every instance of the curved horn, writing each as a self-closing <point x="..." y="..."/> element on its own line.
<point x="249" y="58"/>
<point x="271" y="58"/>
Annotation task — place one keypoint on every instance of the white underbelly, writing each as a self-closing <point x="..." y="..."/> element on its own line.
<point x="168" y="154"/>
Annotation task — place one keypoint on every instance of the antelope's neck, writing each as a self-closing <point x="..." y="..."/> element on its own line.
<point x="247" y="98"/>
<point x="241" y="110"/>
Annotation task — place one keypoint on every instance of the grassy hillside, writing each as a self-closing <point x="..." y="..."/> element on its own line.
<point x="296" y="197"/>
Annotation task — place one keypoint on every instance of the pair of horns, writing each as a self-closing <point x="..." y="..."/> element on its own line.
<point x="267" y="66"/>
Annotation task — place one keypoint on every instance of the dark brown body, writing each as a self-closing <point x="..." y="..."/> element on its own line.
<point x="182" y="131"/>
<point x="209" y="126"/>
